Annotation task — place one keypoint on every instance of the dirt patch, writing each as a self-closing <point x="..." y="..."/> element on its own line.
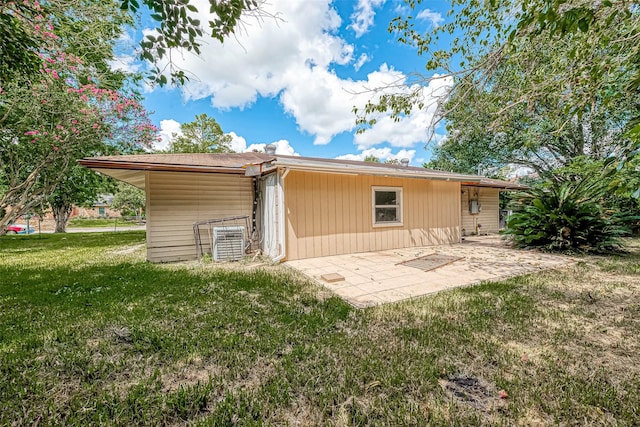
<point x="189" y="374"/>
<point x="472" y="391"/>
<point x="301" y="413"/>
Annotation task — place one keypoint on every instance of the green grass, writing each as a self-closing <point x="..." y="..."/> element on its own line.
<point x="92" y="334"/>
<point x="101" y="222"/>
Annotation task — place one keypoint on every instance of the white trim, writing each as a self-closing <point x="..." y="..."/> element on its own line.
<point x="398" y="205"/>
<point x="324" y="166"/>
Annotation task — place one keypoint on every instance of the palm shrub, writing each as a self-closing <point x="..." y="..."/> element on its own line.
<point x="567" y="215"/>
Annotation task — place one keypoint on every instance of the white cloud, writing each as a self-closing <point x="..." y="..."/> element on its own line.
<point x="363" y="15"/>
<point x="282" y="147"/>
<point x="291" y="60"/>
<point x="126" y="63"/>
<point x="124" y="60"/>
<point x="407" y="130"/>
<point x="258" y="61"/>
<point x="239" y="145"/>
<point x="435" y="18"/>
<point x="381" y="153"/>
<point x="167" y="129"/>
<point x="363" y="59"/>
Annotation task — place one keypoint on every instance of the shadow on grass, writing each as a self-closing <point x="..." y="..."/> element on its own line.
<point x="51" y="242"/>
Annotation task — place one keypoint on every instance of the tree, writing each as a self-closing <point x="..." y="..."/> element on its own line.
<point x="549" y="85"/>
<point x="543" y="137"/>
<point x="86" y="29"/>
<point x="595" y="48"/>
<point x="79" y="186"/>
<point x="129" y="200"/>
<point x="70" y="110"/>
<point x="179" y="30"/>
<point x="371" y="159"/>
<point x="203" y="135"/>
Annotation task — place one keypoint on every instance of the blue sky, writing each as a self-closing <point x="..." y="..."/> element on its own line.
<point x="294" y="81"/>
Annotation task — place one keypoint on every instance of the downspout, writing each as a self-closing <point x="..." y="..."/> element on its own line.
<point x="280" y="220"/>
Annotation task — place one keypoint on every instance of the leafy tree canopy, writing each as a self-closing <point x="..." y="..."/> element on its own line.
<point x="203" y="135"/>
<point x="72" y="107"/>
<point x="79" y="186"/>
<point x="178" y="29"/>
<point x="129" y="199"/>
<point x="576" y="57"/>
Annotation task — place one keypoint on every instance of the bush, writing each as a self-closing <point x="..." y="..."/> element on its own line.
<point x="567" y="216"/>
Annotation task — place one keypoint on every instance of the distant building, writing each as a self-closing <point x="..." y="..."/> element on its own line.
<point x="101" y="208"/>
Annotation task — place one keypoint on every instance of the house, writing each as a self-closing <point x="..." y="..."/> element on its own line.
<point x="301" y="207"/>
<point x="100" y="208"/>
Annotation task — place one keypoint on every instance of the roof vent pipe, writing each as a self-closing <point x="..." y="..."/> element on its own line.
<point x="270" y="149"/>
<point x="404" y="162"/>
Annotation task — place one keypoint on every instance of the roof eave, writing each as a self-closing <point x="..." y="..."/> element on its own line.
<point x="141" y="166"/>
<point x="354" y="170"/>
<point x="511" y="187"/>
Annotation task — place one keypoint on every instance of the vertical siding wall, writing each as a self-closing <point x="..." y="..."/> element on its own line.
<point x="489" y="216"/>
<point x="176" y="200"/>
<point x="331" y="214"/>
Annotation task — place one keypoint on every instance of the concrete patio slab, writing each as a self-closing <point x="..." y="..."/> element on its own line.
<point x="374" y="278"/>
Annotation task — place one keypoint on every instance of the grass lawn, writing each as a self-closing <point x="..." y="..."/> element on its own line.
<point x="92" y="334"/>
<point x="100" y="222"/>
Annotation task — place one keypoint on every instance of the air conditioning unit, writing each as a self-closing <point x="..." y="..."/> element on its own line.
<point x="228" y="243"/>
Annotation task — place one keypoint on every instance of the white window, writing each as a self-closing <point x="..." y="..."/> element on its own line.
<point x="387" y="206"/>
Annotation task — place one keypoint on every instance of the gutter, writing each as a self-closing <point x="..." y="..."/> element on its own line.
<point x="379" y="172"/>
<point x="93" y="164"/>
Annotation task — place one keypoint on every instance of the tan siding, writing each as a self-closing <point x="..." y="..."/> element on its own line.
<point x="176" y="200"/>
<point x="489" y="216"/>
<point x="332" y="214"/>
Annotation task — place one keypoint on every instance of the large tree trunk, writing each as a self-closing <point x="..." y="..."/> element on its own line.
<point x="61" y="215"/>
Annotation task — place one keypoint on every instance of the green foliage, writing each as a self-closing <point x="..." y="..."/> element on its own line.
<point x="516" y="60"/>
<point x="87" y="29"/>
<point x="74" y="106"/>
<point x="203" y="135"/>
<point x="18" y="58"/>
<point x="129" y="200"/>
<point x="568" y="214"/>
<point x="372" y="159"/>
<point x="79" y="186"/>
<point x="178" y="30"/>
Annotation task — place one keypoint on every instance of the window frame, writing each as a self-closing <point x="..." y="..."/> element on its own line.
<point x="399" y="208"/>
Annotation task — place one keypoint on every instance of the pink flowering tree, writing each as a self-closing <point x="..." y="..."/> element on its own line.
<point x="63" y="113"/>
